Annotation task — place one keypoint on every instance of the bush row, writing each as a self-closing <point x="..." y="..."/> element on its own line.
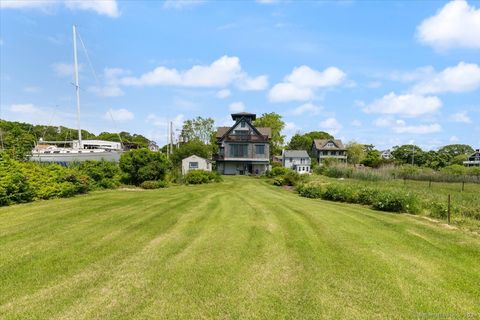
<point x="201" y="176"/>
<point x="398" y="201"/>
<point x="453" y="173"/>
<point x="27" y="181"/>
<point x="285" y="177"/>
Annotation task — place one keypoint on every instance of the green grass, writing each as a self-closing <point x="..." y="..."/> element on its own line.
<point x="240" y="249"/>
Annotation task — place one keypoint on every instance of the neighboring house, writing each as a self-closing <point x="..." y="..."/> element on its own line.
<point x="152" y="146"/>
<point x="329" y="148"/>
<point x="195" y="163"/>
<point x="473" y="160"/>
<point x="386" y="154"/>
<point x="297" y="160"/>
<point x="243" y="149"/>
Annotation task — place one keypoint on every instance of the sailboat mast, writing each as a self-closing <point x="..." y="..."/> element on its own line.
<point x="77" y="86"/>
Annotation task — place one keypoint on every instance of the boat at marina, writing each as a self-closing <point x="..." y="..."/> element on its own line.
<point x="65" y="152"/>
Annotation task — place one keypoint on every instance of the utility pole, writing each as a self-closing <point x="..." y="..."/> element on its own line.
<point x="413" y="154"/>
<point x="171" y="137"/>
<point x="168" y="142"/>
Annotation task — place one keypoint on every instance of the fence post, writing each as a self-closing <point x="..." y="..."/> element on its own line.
<point x="430" y="183"/>
<point x="404" y="181"/>
<point x="463" y="185"/>
<point x="448" y="210"/>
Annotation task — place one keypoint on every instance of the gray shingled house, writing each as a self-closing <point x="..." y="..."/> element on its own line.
<point x="329" y="148"/>
<point x="242" y="148"/>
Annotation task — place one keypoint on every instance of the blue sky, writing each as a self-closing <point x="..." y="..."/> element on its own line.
<point x="385" y="73"/>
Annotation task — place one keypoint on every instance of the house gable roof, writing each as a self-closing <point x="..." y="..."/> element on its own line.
<point x="224" y="131"/>
<point x="321" y="144"/>
<point x="295" y="154"/>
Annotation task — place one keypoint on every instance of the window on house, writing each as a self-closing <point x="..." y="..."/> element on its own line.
<point x="239" y="150"/>
<point x="260" y="149"/>
<point x="242" y="124"/>
<point x="193" y="165"/>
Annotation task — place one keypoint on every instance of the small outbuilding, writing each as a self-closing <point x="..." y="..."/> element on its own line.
<point x="195" y="163"/>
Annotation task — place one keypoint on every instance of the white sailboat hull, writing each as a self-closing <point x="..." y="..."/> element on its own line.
<point x="76" y="157"/>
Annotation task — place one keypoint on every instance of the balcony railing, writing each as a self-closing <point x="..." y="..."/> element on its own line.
<point x="245" y="138"/>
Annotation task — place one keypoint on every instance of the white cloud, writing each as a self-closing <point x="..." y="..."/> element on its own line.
<point x="304" y="76"/>
<point x="331" y="125"/>
<point x="299" y="85"/>
<point x="253" y="84"/>
<point x="308" y="108"/>
<point x="218" y="74"/>
<point x="181" y="4"/>
<point x="282" y="92"/>
<point x="267" y="1"/>
<point x="236" y="107"/>
<point x="27" y="108"/>
<point x="119" y="115"/>
<point x="407" y="105"/>
<point x="102" y="7"/>
<point x="26" y="4"/>
<point x="463" y="77"/>
<point x="420" y="129"/>
<point x="453" y="139"/>
<point x="455" y="25"/>
<point x="383" y="122"/>
<point x="461" y="117"/>
<point x="163" y="122"/>
<point x="111" y="88"/>
<point x="411" y="76"/>
<point x="65" y="69"/>
<point x="222" y="94"/>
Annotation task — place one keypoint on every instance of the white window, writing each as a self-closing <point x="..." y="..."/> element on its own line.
<point x="193" y="165"/>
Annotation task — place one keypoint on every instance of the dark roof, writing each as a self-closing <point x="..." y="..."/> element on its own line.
<point x="320" y="144"/>
<point x="264" y="131"/>
<point x="251" y="116"/>
<point x="295" y="154"/>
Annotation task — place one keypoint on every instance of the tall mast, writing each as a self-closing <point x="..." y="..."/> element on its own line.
<point x="77" y="86"/>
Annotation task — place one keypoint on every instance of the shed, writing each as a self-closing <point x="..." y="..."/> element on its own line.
<point x="195" y="163"/>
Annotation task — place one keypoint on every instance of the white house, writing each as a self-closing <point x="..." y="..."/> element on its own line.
<point x="386" y="154"/>
<point x="195" y="163"/>
<point x="297" y="160"/>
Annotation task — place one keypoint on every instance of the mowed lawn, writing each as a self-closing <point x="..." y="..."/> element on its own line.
<point x="240" y="249"/>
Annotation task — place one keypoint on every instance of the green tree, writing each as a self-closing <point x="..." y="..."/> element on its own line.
<point x="355" y="152"/>
<point x="194" y="147"/>
<point x="304" y="141"/>
<point x="273" y="121"/>
<point x="456" y="149"/>
<point x="143" y="165"/>
<point x="197" y="129"/>
<point x="408" y="152"/>
<point x="372" y="159"/>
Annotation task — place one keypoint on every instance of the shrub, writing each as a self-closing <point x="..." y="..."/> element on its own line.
<point x="277" y="171"/>
<point x="153" y="184"/>
<point x="395" y="202"/>
<point x="201" y="176"/>
<point x="338" y="192"/>
<point x="15" y="188"/>
<point x="104" y="174"/>
<point x="143" y="165"/>
<point x="314" y="192"/>
<point x="366" y="195"/>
